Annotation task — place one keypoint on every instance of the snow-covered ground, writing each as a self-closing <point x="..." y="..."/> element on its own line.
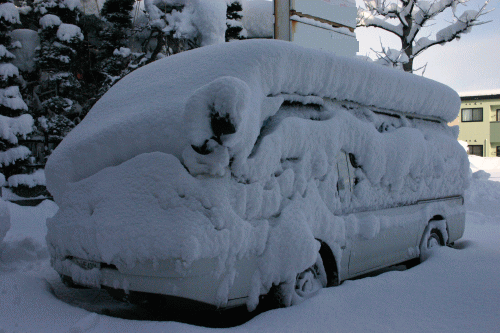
<point x="455" y="290"/>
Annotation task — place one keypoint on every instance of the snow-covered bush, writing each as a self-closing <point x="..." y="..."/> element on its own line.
<point x="258" y="18"/>
<point x="59" y="58"/>
<point x="234" y="26"/>
<point x="116" y="59"/>
<point x="14" y="124"/>
<point x="25" y="55"/>
<point x="180" y="25"/>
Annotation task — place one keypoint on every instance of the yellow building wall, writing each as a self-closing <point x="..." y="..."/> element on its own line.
<point x="485" y="133"/>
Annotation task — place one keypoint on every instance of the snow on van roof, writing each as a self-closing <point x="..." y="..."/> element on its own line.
<point x="160" y="106"/>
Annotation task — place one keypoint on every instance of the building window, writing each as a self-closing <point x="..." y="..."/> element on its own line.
<point x="498" y="151"/>
<point x="477" y="150"/>
<point x="498" y="114"/>
<point x="469" y="115"/>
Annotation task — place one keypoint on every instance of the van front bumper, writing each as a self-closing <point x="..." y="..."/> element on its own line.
<point x="197" y="283"/>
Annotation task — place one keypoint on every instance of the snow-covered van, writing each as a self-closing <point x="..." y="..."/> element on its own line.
<point x="224" y="173"/>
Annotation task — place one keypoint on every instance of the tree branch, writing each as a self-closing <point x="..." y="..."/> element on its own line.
<point x="423" y="15"/>
<point x="463" y="24"/>
<point x="366" y="19"/>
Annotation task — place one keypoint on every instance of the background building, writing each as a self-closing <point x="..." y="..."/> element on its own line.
<point x="479" y="122"/>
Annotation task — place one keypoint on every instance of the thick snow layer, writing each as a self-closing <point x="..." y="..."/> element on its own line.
<point x="25" y="241"/>
<point x="11" y="98"/>
<point x="67" y="32"/>
<point x="72" y="4"/>
<point x="31" y="180"/>
<point x="11" y="127"/>
<point x="210" y="20"/>
<point x="203" y="19"/>
<point x="484" y="163"/>
<point x="258" y="18"/>
<point x="8" y="70"/>
<point x="49" y="20"/>
<point x="480" y="93"/>
<point x="456" y="289"/>
<point x="9" y="12"/>
<point x="123" y="51"/>
<point x="11" y="155"/>
<point x="179" y="189"/>
<point x="263" y="68"/>
<point x="25" y="10"/>
<point x="42" y="6"/>
<point x="4" y="53"/>
<point x="25" y="55"/>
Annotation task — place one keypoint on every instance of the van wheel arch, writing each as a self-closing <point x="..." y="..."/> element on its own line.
<point x="443" y="239"/>
<point x="330" y="264"/>
<point x="433" y="235"/>
<point x="277" y="295"/>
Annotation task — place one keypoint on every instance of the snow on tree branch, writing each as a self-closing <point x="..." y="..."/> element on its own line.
<point x="180" y="25"/>
<point x="406" y="18"/>
<point x="367" y="19"/>
<point x="463" y="24"/>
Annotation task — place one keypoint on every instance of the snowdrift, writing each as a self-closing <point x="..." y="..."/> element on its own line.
<point x="230" y="151"/>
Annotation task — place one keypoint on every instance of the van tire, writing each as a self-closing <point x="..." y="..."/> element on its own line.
<point x="309" y="282"/>
<point x="430" y="239"/>
<point x="306" y="285"/>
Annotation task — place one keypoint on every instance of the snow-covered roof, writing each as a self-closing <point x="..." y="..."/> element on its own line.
<point x="163" y="106"/>
<point x="486" y="92"/>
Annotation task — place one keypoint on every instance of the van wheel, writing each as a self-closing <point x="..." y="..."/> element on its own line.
<point x="309" y="282"/>
<point x="430" y="240"/>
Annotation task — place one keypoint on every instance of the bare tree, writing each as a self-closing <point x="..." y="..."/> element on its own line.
<point x="406" y="18"/>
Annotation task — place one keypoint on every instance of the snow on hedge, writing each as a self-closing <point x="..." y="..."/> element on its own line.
<point x="11" y="98"/>
<point x="49" y="20"/>
<point x="204" y="19"/>
<point x="25" y="54"/>
<point x="258" y="18"/>
<point x="67" y="32"/>
<point x="31" y="180"/>
<point x="214" y="153"/>
<point x="9" y="12"/>
<point x="8" y="70"/>
<point x="4" y="53"/>
<point x="11" y="127"/>
<point x="41" y="6"/>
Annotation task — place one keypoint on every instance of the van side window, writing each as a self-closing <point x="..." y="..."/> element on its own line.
<point x="352" y="159"/>
<point x="355" y="165"/>
<point x="343" y="182"/>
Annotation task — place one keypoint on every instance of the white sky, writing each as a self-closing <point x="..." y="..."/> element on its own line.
<point x="470" y="64"/>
